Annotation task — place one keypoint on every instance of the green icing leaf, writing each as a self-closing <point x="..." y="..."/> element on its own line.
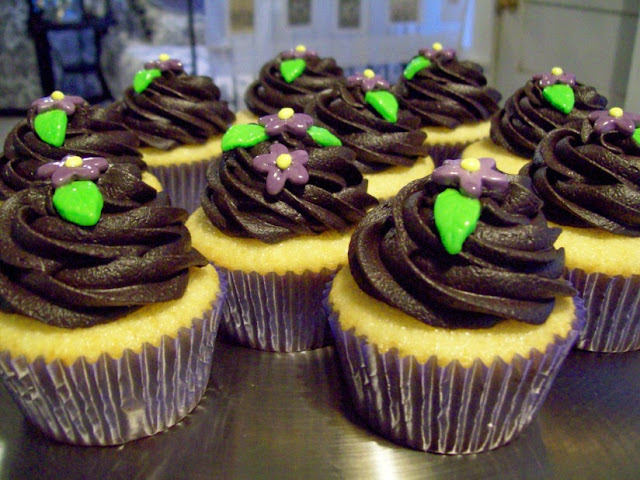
<point x="245" y="136"/>
<point x="636" y="135"/>
<point x="51" y="127"/>
<point x="384" y="102"/>
<point x="323" y="137"/>
<point x="144" y="78"/>
<point x="415" y="65"/>
<point x="292" y="69"/>
<point x="560" y="96"/>
<point x="456" y="218"/>
<point x="79" y="202"/>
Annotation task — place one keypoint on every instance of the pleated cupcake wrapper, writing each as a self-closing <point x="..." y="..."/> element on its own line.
<point x="444" y="151"/>
<point x="183" y="183"/>
<point x="278" y="313"/>
<point x="451" y="409"/>
<point x="612" y="311"/>
<point x="111" y="401"/>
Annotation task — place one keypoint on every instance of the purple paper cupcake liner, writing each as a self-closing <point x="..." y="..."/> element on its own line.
<point x="113" y="401"/>
<point x="451" y="409"/>
<point x="277" y="313"/>
<point x="183" y="183"/>
<point x="612" y="311"/>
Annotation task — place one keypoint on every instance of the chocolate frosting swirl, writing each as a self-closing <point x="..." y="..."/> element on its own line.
<point x="448" y="93"/>
<point x="70" y="276"/>
<point x="508" y="268"/>
<point x="589" y="179"/>
<point x="91" y="132"/>
<point x="334" y="198"/>
<point x="527" y="116"/>
<point x="175" y="109"/>
<point x="270" y="92"/>
<point x="377" y="143"/>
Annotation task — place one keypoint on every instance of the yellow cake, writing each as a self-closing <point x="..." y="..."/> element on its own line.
<point x="466" y="325"/>
<point x="103" y="298"/>
<point x="586" y="174"/>
<point x="277" y="215"/>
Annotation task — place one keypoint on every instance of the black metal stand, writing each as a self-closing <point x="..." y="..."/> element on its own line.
<point x="39" y="29"/>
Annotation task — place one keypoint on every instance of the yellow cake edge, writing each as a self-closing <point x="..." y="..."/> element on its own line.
<point x="389" y="328"/>
<point x="24" y="336"/>
<point x="327" y="250"/>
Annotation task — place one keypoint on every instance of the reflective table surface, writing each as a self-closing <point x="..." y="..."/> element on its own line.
<point x="281" y="416"/>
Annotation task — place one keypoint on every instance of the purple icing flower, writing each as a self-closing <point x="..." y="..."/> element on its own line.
<point x="58" y="100"/>
<point x="556" y="75"/>
<point x="368" y="80"/>
<point x="436" y="51"/>
<point x="286" y="121"/>
<point x="164" y="63"/>
<point x="614" y="119"/>
<point x="470" y="175"/>
<point x="72" y="167"/>
<point x="299" y="52"/>
<point x="281" y="165"/>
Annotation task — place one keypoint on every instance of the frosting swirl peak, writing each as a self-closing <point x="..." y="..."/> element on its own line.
<point x="507" y="269"/>
<point x="70" y="276"/>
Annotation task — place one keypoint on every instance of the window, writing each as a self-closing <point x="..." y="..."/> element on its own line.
<point x="349" y="14"/>
<point x="299" y="12"/>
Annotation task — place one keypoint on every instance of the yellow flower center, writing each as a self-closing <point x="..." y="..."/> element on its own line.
<point x="285" y="113"/>
<point x="283" y="161"/>
<point x="301" y="48"/>
<point x="163" y="57"/>
<point x="57" y="95"/>
<point x="557" y="71"/>
<point x="616" y="112"/>
<point x="73" y="161"/>
<point x="369" y="73"/>
<point x="470" y="164"/>
<point x="437" y="46"/>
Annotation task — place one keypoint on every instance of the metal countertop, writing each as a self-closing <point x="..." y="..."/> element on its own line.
<point x="272" y="415"/>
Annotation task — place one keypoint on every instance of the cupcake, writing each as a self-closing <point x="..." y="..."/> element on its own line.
<point x="450" y="97"/>
<point x="180" y="120"/>
<point x="58" y="126"/>
<point x="276" y="217"/>
<point x="547" y="101"/>
<point x="453" y="318"/>
<point x="107" y="323"/>
<point x="289" y="81"/>
<point x="386" y="138"/>
<point x="588" y="177"/>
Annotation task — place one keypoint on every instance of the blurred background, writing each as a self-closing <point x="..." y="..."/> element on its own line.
<point x="93" y="48"/>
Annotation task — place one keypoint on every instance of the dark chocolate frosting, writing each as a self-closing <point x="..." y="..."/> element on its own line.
<point x="69" y="276"/>
<point x="448" y="93"/>
<point x="175" y="109"/>
<point x="507" y="269"/>
<point x="334" y="198"/>
<point x="270" y="92"/>
<point x="377" y="143"/>
<point x="589" y="179"/>
<point x="92" y="131"/>
<point x="527" y="116"/>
